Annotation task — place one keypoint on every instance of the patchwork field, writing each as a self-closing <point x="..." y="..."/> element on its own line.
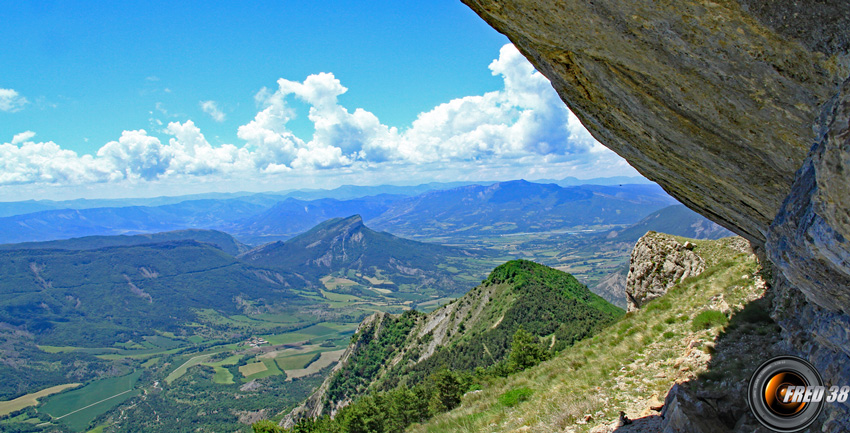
<point x="325" y="360"/>
<point x="79" y="407"/>
<point x="333" y="283"/>
<point x="295" y="362"/>
<point x="222" y="375"/>
<point x="7" y="407"/>
<point x="181" y="370"/>
<point x="373" y="280"/>
<point x="252" y="369"/>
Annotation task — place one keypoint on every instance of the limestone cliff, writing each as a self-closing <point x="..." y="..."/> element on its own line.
<point x="713" y="102"/>
<point x="658" y="262"/>
<point x="738" y="108"/>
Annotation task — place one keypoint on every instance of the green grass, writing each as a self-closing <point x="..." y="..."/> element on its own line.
<point x="333" y="283"/>
<point x="321" y="331"/>
<point x="341" y="297"/>
<point x="32" y="399"/>
<point x="515" y="396"/>
<point x="709" y="319"/>
<point x="223" y="376"/>
<point x="253" y="368"/>
<point x="151" y="362"/>
<point x="22" y="418"/>
<point x="79" y="407"/>
<point x="58" y="349"/>
<point x="326" y="359"/>
<point x="163" y="342"/>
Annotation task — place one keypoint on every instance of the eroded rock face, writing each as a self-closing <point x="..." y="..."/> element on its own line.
<point x="809" y="241"/>
<point x="658" y="262"/>
<point x="809" y="244"/>
<point x="711" y="101"/>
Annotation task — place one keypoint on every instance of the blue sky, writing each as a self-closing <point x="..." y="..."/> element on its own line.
<point x="167" y="98"/>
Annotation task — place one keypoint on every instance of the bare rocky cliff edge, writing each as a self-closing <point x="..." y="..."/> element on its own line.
<point x="738" y="108"/>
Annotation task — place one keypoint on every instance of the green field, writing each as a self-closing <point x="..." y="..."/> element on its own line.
<point x="57" y="349"/>
<point x="181" y="370"/>
<point x="222" y="375"/>
<point x="79" y="407"/>
<point x="7" y="407"/>
<point x="294" y="362"/>
<point x="340" y="297"/>
<point x="333" y="283"/>
<point x="325" y="360"/>
<point x="259" y="370"/>
<point x="320" y="331"/>
<point x="374" y="280"/>
<point x="252" y="368"/>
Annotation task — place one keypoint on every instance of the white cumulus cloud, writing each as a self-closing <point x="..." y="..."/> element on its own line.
<point x="11" y="101"/>
<point x="211" y="108"/>
<point x="525" y="118"/>
<point x="523" y="128"/>
<point x="22" y="137"/>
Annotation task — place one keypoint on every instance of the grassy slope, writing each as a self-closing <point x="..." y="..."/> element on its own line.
<point x="631" y="364"/>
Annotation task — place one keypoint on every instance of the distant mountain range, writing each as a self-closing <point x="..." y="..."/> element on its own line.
<point x="96" y="291"/>
<point x="71" y="223"/>
<point x="519" y="206"/>
<point x="499" y="208"/>
<point x="676" y="220"/>
<point x="220" y="240"/>
<point x="343" y="192"/>
<point x="615" y="180"/>
<point x="266" y="199"/>
<point x="291" y="217"/>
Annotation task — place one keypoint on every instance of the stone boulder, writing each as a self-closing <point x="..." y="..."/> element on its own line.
<point x="658" y="262"/>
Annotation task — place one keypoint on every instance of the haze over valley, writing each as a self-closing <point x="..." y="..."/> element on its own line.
<point x="263" y="291"/>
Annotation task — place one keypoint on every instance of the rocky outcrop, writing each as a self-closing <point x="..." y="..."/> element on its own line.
<point x="809" y="245"/>
<point x="658" y="262"/>
<point x="683" y="412"/>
